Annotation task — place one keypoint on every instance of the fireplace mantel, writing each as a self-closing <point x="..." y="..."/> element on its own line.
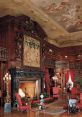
<point x="29" y="74"/>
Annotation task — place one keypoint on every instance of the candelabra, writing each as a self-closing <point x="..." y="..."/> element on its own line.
<point x="7" y="79"/>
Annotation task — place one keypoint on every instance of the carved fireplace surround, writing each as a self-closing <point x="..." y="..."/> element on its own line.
<point x="31" y="87"/>
<point x="31" y="82"/>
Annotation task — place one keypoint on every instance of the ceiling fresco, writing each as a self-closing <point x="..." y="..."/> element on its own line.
<point x="68" y="13"/>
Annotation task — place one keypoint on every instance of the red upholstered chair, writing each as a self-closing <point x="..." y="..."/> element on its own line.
<point x="74" y="92"/>
<point x="20" y="105"/>
<point x="79" y="104"/>
<point x="55" y="92"/>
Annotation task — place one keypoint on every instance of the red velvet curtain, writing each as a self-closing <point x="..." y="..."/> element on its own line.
<point x="47" y="81"/>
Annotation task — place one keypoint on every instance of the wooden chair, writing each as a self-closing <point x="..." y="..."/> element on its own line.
<point x="20" y="105"/>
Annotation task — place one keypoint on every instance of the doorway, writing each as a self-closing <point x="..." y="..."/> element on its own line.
<point x="51" y="74"/>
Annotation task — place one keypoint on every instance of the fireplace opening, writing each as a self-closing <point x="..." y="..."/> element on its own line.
<point x="31" y="87"/>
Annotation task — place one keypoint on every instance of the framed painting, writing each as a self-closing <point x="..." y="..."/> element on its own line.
<point x="31" y="52"/>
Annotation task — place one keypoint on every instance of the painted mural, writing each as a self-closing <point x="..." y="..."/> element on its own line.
<point x="31" y="53"/>
<point x="67" y="13"/>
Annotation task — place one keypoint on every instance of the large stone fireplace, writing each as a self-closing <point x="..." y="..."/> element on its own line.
<point x="31" y="87"/>
<point x="31" y="81"/>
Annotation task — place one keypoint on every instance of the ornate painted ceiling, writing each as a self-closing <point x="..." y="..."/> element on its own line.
<point x="60" y="19"/>
<point x="68" y="13"/>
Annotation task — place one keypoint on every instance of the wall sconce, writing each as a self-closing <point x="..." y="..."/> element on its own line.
<point x="66" y="57"/>
<point x="50" y="50"/>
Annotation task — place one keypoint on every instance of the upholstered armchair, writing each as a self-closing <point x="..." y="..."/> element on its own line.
<point x="55" y="92"/>
<point x="21" y="106"/>
<point x="79" y="104"/>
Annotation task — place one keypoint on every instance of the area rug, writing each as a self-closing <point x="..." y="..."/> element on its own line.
<point x="54" y="111"/>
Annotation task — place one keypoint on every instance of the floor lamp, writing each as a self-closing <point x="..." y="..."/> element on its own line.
<point x="7" y="105"/>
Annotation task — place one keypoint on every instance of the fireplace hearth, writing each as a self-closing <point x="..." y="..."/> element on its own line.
<point x="31" y="81"/>
<point x="31" y="87"/>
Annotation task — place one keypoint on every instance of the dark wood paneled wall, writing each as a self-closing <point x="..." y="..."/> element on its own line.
<point x="12" y="30"/>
